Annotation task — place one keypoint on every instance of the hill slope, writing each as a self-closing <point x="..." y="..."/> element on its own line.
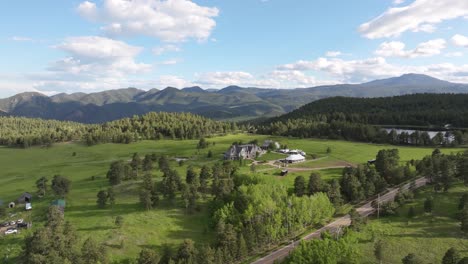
<point x="232" y="102"/>
<point x="433" y="110"/>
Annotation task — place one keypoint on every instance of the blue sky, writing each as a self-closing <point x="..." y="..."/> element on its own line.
<point x="86" y="46"/>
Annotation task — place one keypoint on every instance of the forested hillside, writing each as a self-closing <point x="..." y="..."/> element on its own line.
<point x="429" y="110"/>
<point x="362" y="119"/>
<point x="25" y="132"/>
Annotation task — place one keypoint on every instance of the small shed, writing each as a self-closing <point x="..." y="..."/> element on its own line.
<point x="25" y="198"/>
<point x="370" y="162"/>
<point x="284" y="172"/>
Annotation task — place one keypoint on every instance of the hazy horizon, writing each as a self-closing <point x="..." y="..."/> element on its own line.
<point x="90" y="46"/>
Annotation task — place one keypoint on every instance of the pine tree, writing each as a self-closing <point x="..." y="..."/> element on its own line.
<point x="119" y="221"/>
<point x="61" y="185"/>
<point x="145" y="199"/>
<point x="428" y="205"/>
<point x="102" y="199"/>
<point x="206" y="255"/>
<point x="451" y="256"/>
<point x="463" y="202"/>
<point x="148" y="256"/>
<point x="147" y="163"/>
<point x="187" y="252"/>
<point x="191" y="175"/>
<point x="41" y="185"/>
<point x="299" y="186"/>
<point x="379" y="251"/>
<point x="315" y="184"/>
<point x="242" y="250"/>
<point x="136" y="164"/>
<point x="111" y="196"/>
<point x="92" y="252"/>
<point x="411" y="212"/>
<point x="464" y="221"/>
<point x="334" y="193"/>
<point x="411" y="259"/>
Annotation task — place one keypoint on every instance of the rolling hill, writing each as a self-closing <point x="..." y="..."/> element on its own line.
<point x="230" y="103"/>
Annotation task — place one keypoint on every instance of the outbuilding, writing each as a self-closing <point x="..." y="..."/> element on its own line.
<point x="25" y="198"/>
<point x="295" y="158"/>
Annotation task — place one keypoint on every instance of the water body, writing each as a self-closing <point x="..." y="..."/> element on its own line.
<point x="431" y="134"/>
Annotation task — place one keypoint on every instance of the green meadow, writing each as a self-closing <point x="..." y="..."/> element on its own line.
<point x="168" y="223"/>
<point x="427" y="235"/>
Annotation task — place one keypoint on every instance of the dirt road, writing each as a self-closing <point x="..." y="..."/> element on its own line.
<point x="363" y="210"/>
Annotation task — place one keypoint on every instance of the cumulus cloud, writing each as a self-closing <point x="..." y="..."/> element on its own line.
<point x="92" y="63"/>
<point x="356" y="71"/>
<point x="420" y="15"/>
<point x="88" y="10"/>
<point x="168" y="20"/>
<point x="280" y="78"/>
<point x="460" y="40"/>
<point x="397" y="49"/>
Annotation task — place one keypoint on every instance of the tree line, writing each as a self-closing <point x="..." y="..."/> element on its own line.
<point x="361" y="119"/>
<point x="25" y="132"/>
<point x="343" y="130"/>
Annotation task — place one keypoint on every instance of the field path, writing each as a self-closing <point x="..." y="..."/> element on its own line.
<point x="334" y="165"/>
<point x="363" y="210"/>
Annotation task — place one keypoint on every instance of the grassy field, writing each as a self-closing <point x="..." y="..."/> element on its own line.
<point x="20" y="168"/>
<point x="428" y="236"/>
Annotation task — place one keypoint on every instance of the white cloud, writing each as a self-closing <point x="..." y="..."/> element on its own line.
<point x="88" y="10"/>
<point x="21" y="39"/>
<point x="397" y="49"/>
<point x="98" y="48"/>
<point x="170" y="62"/>
<point x="166" y="48"/>
<point x="172" y="81"/>
<point x="92" y="64"/>
<point x="357" y="71"/>
<point x="420" y="15"/>
<point x="398" y="2"/>
<point x="460" y="40"/>
<point x="170" y="20"/>
<point x="333" y="53"/>
<point x="454" y="54"/>
<point x="219" y="79"/>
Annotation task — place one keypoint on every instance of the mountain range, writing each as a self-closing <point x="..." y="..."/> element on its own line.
<point x="230" y="103"/>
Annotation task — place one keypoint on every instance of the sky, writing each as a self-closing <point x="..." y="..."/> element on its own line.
<point x="52" y="46"/>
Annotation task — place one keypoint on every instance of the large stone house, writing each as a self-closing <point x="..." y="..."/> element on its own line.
<point x="237" y="152"/>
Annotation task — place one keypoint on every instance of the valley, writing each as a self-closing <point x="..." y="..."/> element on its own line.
<point x="168" y="223"/>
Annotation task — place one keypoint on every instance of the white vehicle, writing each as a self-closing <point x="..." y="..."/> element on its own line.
<point x="28" y="206"/>
<point x="11" y="231"/>
<point x="20" y="221"/>
<point x="12" y="223"/>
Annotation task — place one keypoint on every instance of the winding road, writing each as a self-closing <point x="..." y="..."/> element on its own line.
<point x="363" y="210"/>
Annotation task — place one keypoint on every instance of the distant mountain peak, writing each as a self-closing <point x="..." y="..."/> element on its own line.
<point x="194" y="89"/>
<point x="231" y="89"/>
<point x="408" y="79"/>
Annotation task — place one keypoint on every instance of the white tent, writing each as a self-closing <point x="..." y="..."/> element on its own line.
<point x="295" y="158"/>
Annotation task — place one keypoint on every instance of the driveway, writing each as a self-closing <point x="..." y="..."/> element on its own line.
<point x="363" y="210"/>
